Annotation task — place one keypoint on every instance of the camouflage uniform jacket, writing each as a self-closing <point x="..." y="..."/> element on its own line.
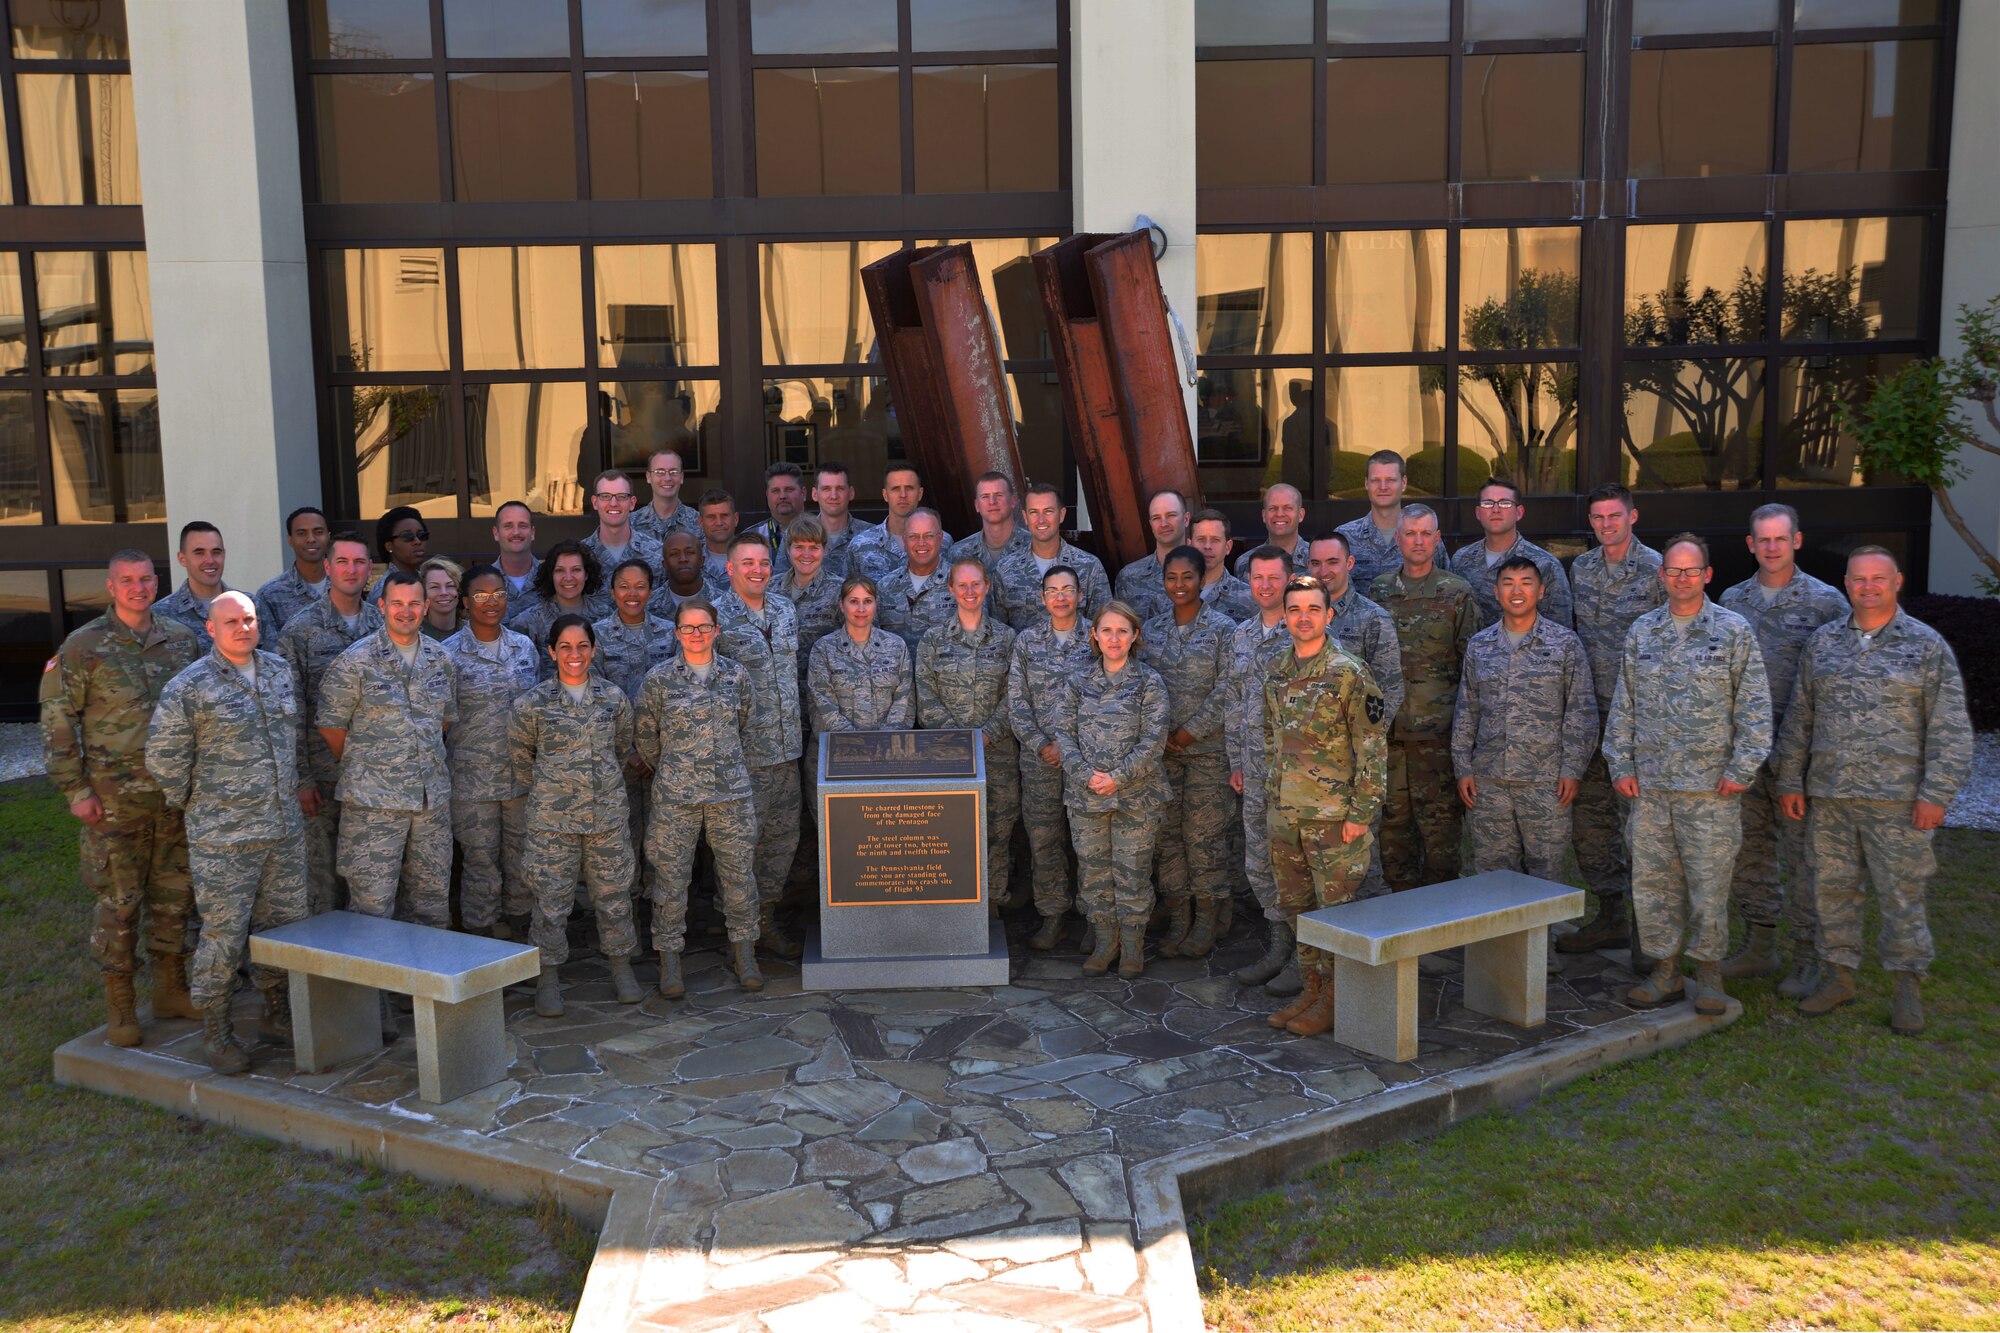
<point x="571" y="756"/>
<point x="1375" y="552"/>
<point x="1039" y="676"/>
<point x="1295" y="560"/>
<point x="625" y="653"/>
<point x="665" y="601"/>
<point x="1193" y="660"/>
<point x="1436" y="617"/>
<point x="839" y="558"/>
<point x="231" y="753"/>
<point x="490" y="677"/>
<point x="517" y="589"/>
<point x="879" y="552"/>
<point x="1017" y="583"/>
<point x="1324" y="737"/>
<point x="691" y="732"/>
<point x="817" y="606"/>
<point x="310" y="642"/>
<point x="714" y="570"/>
<point x="1471" y="565"/>
<point x="1691" y="708"/>
<point x="183" y="606"/>
<point x="1608" y="599"/>
<point x="685" y="518"/>
<point x="1784" y="625"/>
<point x="639" y="547"/>
<point x="98" y="695"/>
<point x="1526" y="713"/>
<point x="1252" y="649"/>
<point x="395" y="719"/>
<point x="1115" y="724"/>
<point x="1876" y="719"/>
<point x="857" y="687"/>
<point x="975" y="546"/>
<point x="284" y="597"/>
<point x="767" y="647"/>
<point x="1142" y="585"/>
<point x="911" y="614"/>
<point x="534" y="618"/>
<point x="962" y="678"/>
<point x="1369" y="636"/>
<point x="1231" y="597"/>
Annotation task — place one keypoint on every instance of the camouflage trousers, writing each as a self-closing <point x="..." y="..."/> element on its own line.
<point x="1683" y="852"/>
<point x="774" y="793"/>
<point x="1257" y="850"/>
<point x="671" y="836"/>
<point x="323" y="887"/>
<point x="136" y="857"/>
<point x="1194" y="841"/>
<point x="1314" y="868"/>
<point x="1519" y="826"/>
<point x="553" y="861"/>
<point x="1757" y="892"/>
<point x="638" y="804"/>
<point x="1047" y="819"/>
<point x="397" y="863"/>
<point x="1597" y="822"/>
<point x="241" y="888"/>
<point x="1003" y="811"/>
<point x="489" y="837"/>
<point x="1421" y="814"/>
<point x="1852" y="840"/>
<point x="1114" y="864"/>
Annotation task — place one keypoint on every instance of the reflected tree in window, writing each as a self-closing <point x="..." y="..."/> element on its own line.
<point x="1716" y="401"/>
<point x="1529" y="409"/>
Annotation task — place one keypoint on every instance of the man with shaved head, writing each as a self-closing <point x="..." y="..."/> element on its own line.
<point x="1284" y="510"/>
<point x="1142" y="585"/>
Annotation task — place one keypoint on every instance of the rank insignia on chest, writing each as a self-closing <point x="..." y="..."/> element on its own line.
<point x="1375" y="708"/>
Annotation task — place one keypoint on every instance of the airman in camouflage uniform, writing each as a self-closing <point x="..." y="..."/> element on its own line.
<point x="816" y="604"/>
<point x="291" y="592"/>
<point x="284" y="597"/>
<point x="1040" y="674"/>
<point x="1372" y="538"/>
<point x="1284" y="508"/>
<point x="489" y="801"/>
<point x="1142" y="584"/>
<point x="1500" y="514"/>
<point x="1017" y="575"/>
<point x="961" y="679"/>
<point x="98" y="695"/>
<point x="641" y="547"/>
<point x="201" y="555"/>
<point x="1369" y="636"/>
<point x="1875" y="747"/>
<point x="625" y="653"/>
<point x="1252" y="649"/>
<point x="910" y="612"/>
<point x="535" y="615"/>
<point x="861" y="686"/>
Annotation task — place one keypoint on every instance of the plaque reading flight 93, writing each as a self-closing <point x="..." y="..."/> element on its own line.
<point x="903" y="848"/>
<point x="883" y="756"/>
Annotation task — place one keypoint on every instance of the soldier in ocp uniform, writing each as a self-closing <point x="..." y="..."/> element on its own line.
<point x="1257" y="643"/>
<point x="489" y="802"/>
<point x="97" y="699"/>
<point x="1048" y="657"/>
<point x="1368" y="635"/>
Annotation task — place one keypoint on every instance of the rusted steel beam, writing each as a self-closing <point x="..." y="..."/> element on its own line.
<point x="1145" y="364"/>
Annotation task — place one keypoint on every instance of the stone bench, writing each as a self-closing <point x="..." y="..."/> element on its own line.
<point x="340" y="962"/>
<point x="1502" y="919"/>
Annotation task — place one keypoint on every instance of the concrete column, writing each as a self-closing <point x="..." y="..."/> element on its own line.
<point x="1971" y="277"/>
<point x="213" y="91"/>
<point x="1132" y="130"/>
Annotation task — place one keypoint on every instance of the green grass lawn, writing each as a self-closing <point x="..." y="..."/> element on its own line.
<point x="1784" y="1173"/>
<point x="115" y="1215"/>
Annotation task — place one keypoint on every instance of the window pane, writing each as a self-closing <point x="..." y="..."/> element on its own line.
<point x="385" y="310"/>
<point x="377" y="138"/>
<point x="1853" y="278"/>
<point x="1253" y="122"/>
<point x="1863" y="13"/>
<point x="1253" y="428"/>
<point x="1007" y="276"/>
<point x="1252" y="22"/>
<point x="1504" y="19"/>
<point x="1661" y="18"/>
<point x="13" y="322"/>
<point x="1253" y="294"/>
<point x="96" y="312"/>
<point x="506" y="29"/>
<point x="645" y="27"/>
<point x="1385" y="291"/>
<point x="77" y="137"/>
<point x="105" y="448"/>
<point x="1520" y="421"/>
<point x="1039" y="427"/>
<point x="85" y="597"/>
<point x="528" y="442"/>
<point x="803" y="27"/>
<point x="65" y="30"/>
<point x="1862" y="106"/>
<point x="1388" y="20"/>
<point x="512" y="137"/>
<point x="847" y="418"/>
<point x="1387" y="119"/>
<point x="1523" y="117"/>
<point x="1385" y="407"/>
<point x="649" y="135"/>
<point x="1518" y="287"/>
<point x="1702" y="112"/>
<point x="813" y="309"/>
<point x="642" y="416"/>
<point x="521" y="307"/>
<point x="396" y="439"/>
<point x="985" y="128"/>
<point x="369" y="29"/>
<point x="1694" y="282"/>
<point x="656" y="307"/>
<point x="1812" y="448"/>
<point x="828" y="131"/>
<point x="1693" y="425"/>
<point x="982" y="25"/>
<point x="24" y="636"/>
<point x="20" y="479"/>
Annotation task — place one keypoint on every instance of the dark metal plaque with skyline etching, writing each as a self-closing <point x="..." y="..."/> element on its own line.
<point x="885" y="756"/>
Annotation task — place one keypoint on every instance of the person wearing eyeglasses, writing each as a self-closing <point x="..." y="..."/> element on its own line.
<point x="1690" y="726"/>
<point x="1500" y="512"/>
<point x="665" y="474"/>
<point x="403" y="539"/>
<point x="631" y="641"/>
<point x="1047" y="657"/>
<point x="615" y="540"/>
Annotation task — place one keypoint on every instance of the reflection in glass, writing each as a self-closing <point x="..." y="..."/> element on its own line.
<point x="377" y="138"/>
<point x="1007" y="276"/>
<point x="1518" y="287"/>
<point x="985" y="127"/>
<point x="656" y="306"/>
<point x="1253" y="122"/>
<point x="66" y="30"/>
<point x="369" y="29"/>
<point x="20" y="480"/>
<point x="1520" y="421"/>
<point x="828" y="131"/>
<point x="104" y="446"/>
<point x="1252" y="22"/>
<point x="1693" y="425"/>
<point x="77" y="138"/>
<point x="1853" y="278"/>
<point x="1663" y="18"/>
<point x="1862" y="106"/>
<point x="24" y="635"/>
<point x="1039" y="428"/>
<point x="641" y="416"/>
<point x="529" y="441"/>
<point x="1523" y="117"/>
<point x="814" y="311"/>
<point x="521" y="307"/>
<point x="1812" y="448"/>
<point x="400" y="445"/>
<point x="385" y="310"/>
<point x="1253" y="428"/>
<point x="807" y="27"/>
<point x="649" y="135"/>
<point x="85" y="598"/>
<point x="6" y="171"/>
<point x="13" y="321"/>
<point x="1387" y="118"/>
<point x="1694" y="283"/>
<point x="645" y="27"/>
<point x="1385" y="407"/>
<point x="505" y="29"/>
<point x="1385" y="291"/>
<point x="848" y="418"/>
<point x="1374" y="21"/>
<point x="1253" y="294"/>
<point x="1702" y="112"/>
<point x="1502" y="20"/>
<point x="512" y="137"/>
<point x="1864" y="13"/>
<point x="96" y="312"/>
<point x="982" y="25"/>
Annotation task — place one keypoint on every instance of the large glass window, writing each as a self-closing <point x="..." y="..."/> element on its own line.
<point x="377" y="137"/>
<point x="385" y="310"/>
<point x="512" y="137"/>
<point x="78" y="140"/>
<point x="981" y="128"/>
<point x="649" y="134"/>
<point x="828" y="131"/>
<point x="1253" y="122"/>
<point x="1387" y="119"/>
<point x="519" y="307"/>
<point x="1863" y="106"/>
<point x="1702" y="112"/>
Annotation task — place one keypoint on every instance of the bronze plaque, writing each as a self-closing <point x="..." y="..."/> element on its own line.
<point x="903" y="847"/>
<point x="884" y="756"/>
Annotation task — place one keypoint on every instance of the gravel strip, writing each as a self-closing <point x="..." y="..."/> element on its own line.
<point x="20" y="750"/>
<point x="1978" y="803"/>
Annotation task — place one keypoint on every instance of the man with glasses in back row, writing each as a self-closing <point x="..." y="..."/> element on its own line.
<point x="615" y="540"/>
<point x="1500" y="512"/>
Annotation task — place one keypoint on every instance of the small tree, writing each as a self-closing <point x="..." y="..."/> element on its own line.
<point x="1536" y="400"/>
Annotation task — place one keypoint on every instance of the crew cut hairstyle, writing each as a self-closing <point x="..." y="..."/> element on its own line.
<point x="1852" y="556"/>
<point x="715" y="495"/>
<point x="1402" y="464"/>
<point x="1784" y="511"/>
<point x="293" y="517"/>
<point x="203" y="525"/>
<point x="1611" y="490"/>
<point x="1512" y="488"/>
<point x="1267" y="552"/>
<point x="1209" y="516"/>
<point x="1307" y="583"/>
<point x="1417" y="511"/>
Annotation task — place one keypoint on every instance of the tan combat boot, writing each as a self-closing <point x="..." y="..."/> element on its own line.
<point x="1803" y="979"/>
<point x="225" y="1055"/>
<point x="548" y="993"/>
<point x="1663" y="987"/>
<point x="671" y="984"/>
<point x="1050" y="935"/>
<point x="1132" y="950"/>
<point x="624" y="986"/>
<point x="1836" y="987"/>
<point x="1179" y="919"/>
<point x="1199" y="942"/>
<point x="1709" y="998"/>
<point x="275" y="1023"/>
<point x="170" y="988"/>
<point x="747" y="974"/>
<point x="1906" y="1010"/>
<point x="774" y="941"/>
<point x="1316" y="1017"/>
<point x="1757" y="958"/>
<point x="1105" y="935"/>
<point x="122" y="1011"/>
<point x="1308" y="993"/>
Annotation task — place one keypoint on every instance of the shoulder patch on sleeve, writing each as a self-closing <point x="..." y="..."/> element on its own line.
<point x="1375" y="709"/>
<point x="48" y="666"/>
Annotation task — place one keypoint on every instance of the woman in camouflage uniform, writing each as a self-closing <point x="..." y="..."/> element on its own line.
<point x="631" y="641"/>
<point x="569" y="582"/>
<point x="813" y="590"/>
<point x="489" y="801"/>
<point x="859" y="678"/>
<point x="442" y="612"/>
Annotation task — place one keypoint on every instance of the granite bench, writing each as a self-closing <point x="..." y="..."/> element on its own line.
<point x="1502" y="919"/>
<point x="340" y="962"/>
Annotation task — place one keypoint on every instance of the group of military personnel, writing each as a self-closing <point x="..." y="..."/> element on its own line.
<point x="596" y="713"/>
